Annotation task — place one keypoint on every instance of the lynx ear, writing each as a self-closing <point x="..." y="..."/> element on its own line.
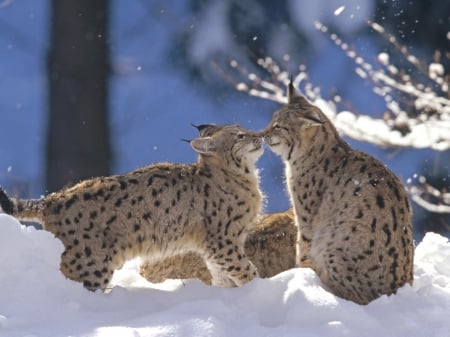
<point x="205" y="129"/>
<point x="204" y="145"/>
<point x="313" y="115"/>
<point x="308" y="111"/>
<point x="294" y="96"/>
<point x="292" y="92"/>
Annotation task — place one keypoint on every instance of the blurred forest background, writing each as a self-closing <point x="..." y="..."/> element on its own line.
<point x="91" y="88"/>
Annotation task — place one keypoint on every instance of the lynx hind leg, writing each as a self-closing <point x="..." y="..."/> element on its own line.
<point x="230" y="267"/>
<point x="349" y="264"/>
<point x="94" y="271"/>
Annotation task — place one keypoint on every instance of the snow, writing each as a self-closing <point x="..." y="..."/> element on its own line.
<point x="339" y="10"/>
<point x="36" y="300"/>
<point x="383" y="58"/>
<point x="305" y="13"/>
<point x="436" y="69"/>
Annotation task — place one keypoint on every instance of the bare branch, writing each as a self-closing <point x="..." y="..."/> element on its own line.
<point x="422" y="122"/>
<point x="430" y="198"/>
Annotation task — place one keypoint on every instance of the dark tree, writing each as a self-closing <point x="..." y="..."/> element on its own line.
<point x="78" y="145"/>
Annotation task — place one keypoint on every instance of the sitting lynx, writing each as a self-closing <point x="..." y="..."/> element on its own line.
<point x="160" y="210"/>
<point x="352" y="212"/>
<point x="270" y="246"/>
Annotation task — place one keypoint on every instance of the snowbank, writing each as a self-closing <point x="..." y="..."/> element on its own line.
<point x="36" y="300"/>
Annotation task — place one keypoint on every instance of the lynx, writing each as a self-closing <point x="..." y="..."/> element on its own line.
<point x="352" y="212"/>
<point x="207" y="207"/>
<point x="270" y="246"/>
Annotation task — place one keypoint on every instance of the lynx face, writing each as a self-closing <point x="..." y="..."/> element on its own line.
<point x="236" y="147"/>
<point x="292" y="130"/>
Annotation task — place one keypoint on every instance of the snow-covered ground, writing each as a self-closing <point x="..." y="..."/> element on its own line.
<point x="36" y="300"/>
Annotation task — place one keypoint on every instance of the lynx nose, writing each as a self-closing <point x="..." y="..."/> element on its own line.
<point x="257" y="141"/>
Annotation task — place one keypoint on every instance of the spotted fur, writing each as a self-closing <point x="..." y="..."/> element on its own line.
<point x="352" y="212"/>
<point x="157" y="211"/>
<point x="270" y="246"/>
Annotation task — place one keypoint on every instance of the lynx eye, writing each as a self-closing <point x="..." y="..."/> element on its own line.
<point x="240" y="136"/>
<point x="276" y="126"/>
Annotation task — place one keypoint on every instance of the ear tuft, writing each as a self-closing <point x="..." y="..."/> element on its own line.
<point x="202" y="127"/>
<point x="294" y="96"/>
<point x="206" y="130"/>
<point x="291" y="91"/>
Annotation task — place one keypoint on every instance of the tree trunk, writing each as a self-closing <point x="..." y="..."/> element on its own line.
<point x="78" y="144"/>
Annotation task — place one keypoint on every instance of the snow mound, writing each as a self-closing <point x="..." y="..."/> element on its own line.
<point x="37" y="300"/>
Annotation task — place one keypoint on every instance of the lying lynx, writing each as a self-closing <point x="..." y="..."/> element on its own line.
<point x="352" y="212"/>
<point x="160" y="210"/>
<point x="270" y="246"/>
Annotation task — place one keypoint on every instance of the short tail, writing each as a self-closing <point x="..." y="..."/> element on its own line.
<point x="27" y="210"/>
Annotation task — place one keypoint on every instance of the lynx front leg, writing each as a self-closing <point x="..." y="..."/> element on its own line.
<point x="91" y="267"/>
<point x="303" y="251"/>
<point x="230" y="267"/>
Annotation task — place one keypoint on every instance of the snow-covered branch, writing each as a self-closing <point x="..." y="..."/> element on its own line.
<point x="424" y="122"/>
<point x="419" y="119"/>
<point x="430" y="198"/>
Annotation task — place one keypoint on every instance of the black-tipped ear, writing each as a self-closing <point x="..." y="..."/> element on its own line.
<point x="292" y="93"/>
<point x="309" y="111"/>
<point x="294" y="96"/>
<point x="200" y="127"/>
<point x="204" y="145"/>
<point x="203" y="129"/>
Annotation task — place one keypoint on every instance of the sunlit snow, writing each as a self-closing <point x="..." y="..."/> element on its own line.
<point x="37" y="300"/>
